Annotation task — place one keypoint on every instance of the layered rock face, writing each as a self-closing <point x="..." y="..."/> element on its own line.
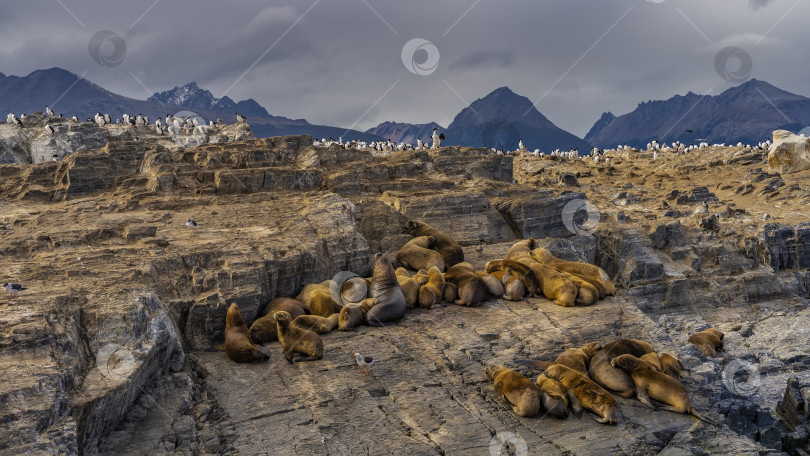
<point x="112" y="349"/>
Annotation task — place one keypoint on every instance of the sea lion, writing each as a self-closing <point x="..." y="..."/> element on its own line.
<point x="552" y="283"/>
<point x="421" y="277"/>
<point x="650" y="383"/>
<point x="352" y="315"/>
<point x="264" y="329"/>
<point x="589" y="272"/>
<point x="572" y="358"/>
<point x="238" y="346"/>
<point x="553" y="397"/>
<point x="652" y="358"/>
<point x="513" y="289"/>
<point x="521" y="250"/>
<point x="449" y="249"/>
<point x="386" y="290"/>
<point x="708" y="341"/>
<point x="471" y="289"/>
<point x="293" y="306"/>
<point x="670" y="365"/>
<point x="432" y="292"/>
<point x="519" y="270"/>
<point x="450" y="292"/>
<point x="409" y="287"/>
<point x="417" y="254"/>
<point x="494" y="286"/>
<point x="585" y="394"/>
<point x="318" y="299"/>
<point x="521" y="392"/>
<point x="603" y="373"/>
<point x="316" y="323"/>
<point x="587" y="294"/>
<point x="297" y="340"/>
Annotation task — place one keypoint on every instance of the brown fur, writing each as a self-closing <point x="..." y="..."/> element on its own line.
<point x="521" y="250"/>
<point x="513" y="289"/>
<point x="472" y="290"/>
<point x="318" y="300"/>
<point x="316" y="323"/>
<point x="521" y="392"/>
<point x="519" y="270"/>
<point x="670" y="365"/>
<point x="553" y="284"/>
<point x="494" y="286"/>
<point x="293" y="306"/>
<point x="417" y="254"/>
<point x="709" y="341"/>
<point x="421" y="277"/>
<point x="573" y="358"/>
<point x="449" y="249"/>
<point x="432" y="291"/>
<point x="352" y="315"/>
<point x="603" y="373"/>
<point x="264" y="329"/>
<point x="297" y="340"/>
<point x="584" y="393"/>
<point x="652" y="358"/>
<point x="385" y="289"/>
<point x="450" y="292"/>
<point x="589" y="272"/>
<point x="587" y="294"/>
<point x="238" y="346"/>
<point x="553" y="397"/>
<point x="409" y="287"/>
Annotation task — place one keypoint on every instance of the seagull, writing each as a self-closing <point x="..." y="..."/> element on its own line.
<point x="520" y="145"/>
<point x="364" y="362"/>
<point x="191" y="223"/>
<point x="240" y="119"/>
<point x="48" y="112"/>
<point x="16" y="288"/>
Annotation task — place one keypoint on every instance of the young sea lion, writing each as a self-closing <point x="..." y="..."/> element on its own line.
<point x="449" y="249"/>
<point x="589" y="272"/>
<point x="573" y="358"/>
<point x="587" y="294"/>
<point x="708" y="341"/>
<point x="494" y="286"/>
<point x="264" y="329"/>
<point x="653" y="359"/>
<point x="421" y="277"/>
<point x="450" y="292"/>
<point x="519" y="270"/>
<point x="386" y="290"/>
<point x="521" y="250"/>
<point x="603" y="373"/>
<point x="318" y="299"/>
<point x="584" y="393"/>
<point x="238" y="346"/>
<point x="352" y="315"/>
<point x="316" y="323"/>
<point x="471" y="289"/>
<point x="293" y="306"/>
<point x="552" y="283"/>
<point x="650" y="383"/>
<point x="670" y="365"/>
<point x="297" y="340"/>
<point x="521" y="392"/>
<point x="553" y="397"/>
<point x="417" y="254"/>
<point x="432" y="291"/>
<point x="513" y="287"/>
<point x="409" y="287"/>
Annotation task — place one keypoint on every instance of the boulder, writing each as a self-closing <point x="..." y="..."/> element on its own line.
<point x="789" y="153"/>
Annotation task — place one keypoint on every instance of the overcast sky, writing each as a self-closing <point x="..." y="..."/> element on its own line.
<point x="339" y="62"/>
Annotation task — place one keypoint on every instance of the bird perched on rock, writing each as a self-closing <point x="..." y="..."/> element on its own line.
<point x="364" y="362"/>
<point x="191" y="223"/>
<point x="49" y="129"/>
<point x="240" y="119"/>
<point x="521" y="146"/>
<point x="16" y="288"/>
<point x="48" y="112"/>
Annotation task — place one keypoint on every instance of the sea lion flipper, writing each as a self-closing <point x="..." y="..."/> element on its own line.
<point x="263" y="350"/>
<point x="576" y="407"/>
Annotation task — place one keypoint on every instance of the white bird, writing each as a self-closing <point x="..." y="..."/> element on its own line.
<point x="655" y="155"/>
<point x="176" y="124"/>
<point x="158" y="123"/>
<point x="211" y="123"/>
<point x="196" y="122"/>
<point x="16" y="288"/>
<point x="48" y="112"/>
<point x="364" y="362"/>
<point x="74" y="118"/>
<point x="521" y="146"/>
<point x="240" y="119"/>
<point x="191" y="223"/>
<point x="49" y="129"/>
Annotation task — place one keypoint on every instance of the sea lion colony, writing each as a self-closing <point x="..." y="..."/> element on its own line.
<point x="583" y="378"/>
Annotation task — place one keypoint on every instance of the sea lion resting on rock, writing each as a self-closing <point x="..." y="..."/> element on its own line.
<point x="650" y="383"/>
<point x="553" y="397"/>
<point x="471" y="289"/>
<point x="494" y="286"/>
<point x="297" y="340"/>
<point x="584" y="393"/>
<point x="417" y="254"/>
<point x="432" y="292"/>
<point x="315" y="323"/>
<point x="318" y="299"/>
<point x="587" y="294"/>
<point x="238" y="346"/>
<point x="552" y="283"/>
<point x="708" y="341"/>
<point x="670" y="365"/>
<point x="450" y="292"/>
<point x="409" y="287"/>
<point x="610" y="377"/>
<point x="589" y="272"/>
<point x="653" y="359"/>
<point x="386" y="290"/>
<point x="573" y="358"/>
<point x="449" y="249"/>
<point x="518" y="270"/>
<point x="352" y="315"/>
<point x="521" y="392"/>
<point x="264" y="329"/>
<point x="521" y="250"/>
<point x="421" y="277"/>
<point x="513" y="287"/>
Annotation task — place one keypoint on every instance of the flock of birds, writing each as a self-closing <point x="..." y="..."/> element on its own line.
<point x="173" y="124"/>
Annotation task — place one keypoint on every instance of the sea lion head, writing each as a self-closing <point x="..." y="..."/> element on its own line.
<point x="591" y="348"/>
<point x="494" y="370"/>
<point x="263" y="331"/>
<point x="283" y="317"/>
<point x="234" y="317"/>
<point x="410" y="226"/>
<point x="625" y="362"/>
<point x="609" y="411"/>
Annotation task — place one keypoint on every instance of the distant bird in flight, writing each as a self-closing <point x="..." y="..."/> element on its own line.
<point x="688" y="131"/>
<point x="364" y="362"/>
<point x="13" y="287"/>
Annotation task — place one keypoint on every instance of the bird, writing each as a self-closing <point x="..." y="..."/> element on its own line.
<point x="364" y="362"/>
<point x="49" y="129"/>
<point x="191" y="223"/>
<point x="240" y="119"/>
<point x="16" y="288"/>
<point x="688" y="131"/>
<point x="520" y="145"/>
<point x="437" y="140"/>
<point x="48" y="112"/>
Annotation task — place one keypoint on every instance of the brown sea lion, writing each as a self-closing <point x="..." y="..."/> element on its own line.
<point x="264" y="330"/>
<point x="709" y="341"/>
<point x="521" y="250"/>
<point x="238" y="346"/>
<point x="494" y="286"/>
<point x="472" y="290"/>
<point x="603" y="373"/>
<point x="513" y="287"/>
<point x="449" y="249"/>
<point x="386" y="290"/>
<point x="293" y="306"/>
<point x="417" y="254"/>
<point x="573" y="358"/>
<point x="670" y="365"/>
<point x="421" y="277"/>
<point x="589" y="272"/>
<point x="316" y="323"/>
<point x="432" y="291"/>
<point x="318" y="299"/>
<point x="521" y="392"/>
<point x="650" y="383"/>
<point x="519" y="270"/>
<point x="653" y="359"/>
<point x="552" y="283"/>
<point x="553" y="397"/>
<point x="587" y="294"/>
<point x="450" y="292"/>
<point x="584" y="393"/>
<point x="409" y="287"/>
<point x="352" y="315"/>
<point x="297" y="340"/>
